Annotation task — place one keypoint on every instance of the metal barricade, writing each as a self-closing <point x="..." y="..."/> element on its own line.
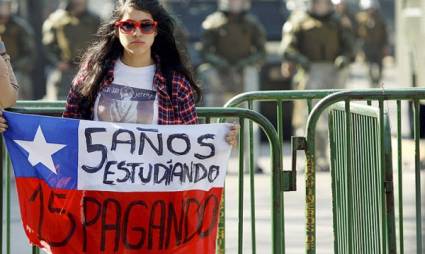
<point x="363" y="216"/>
<point x="395" y="238"/>
<point x="386" y="238"/>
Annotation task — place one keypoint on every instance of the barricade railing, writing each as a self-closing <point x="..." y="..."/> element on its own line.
<point x="383" y="99"/>
<point x="363" y="215"/>
<point x="325" y="98"/>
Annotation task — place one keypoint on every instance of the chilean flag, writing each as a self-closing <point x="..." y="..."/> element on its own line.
<point x="99" y="187"/>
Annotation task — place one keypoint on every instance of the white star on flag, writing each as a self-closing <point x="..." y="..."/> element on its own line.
<point x="40" y="151"/>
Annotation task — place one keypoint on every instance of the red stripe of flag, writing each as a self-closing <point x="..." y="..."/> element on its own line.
<point x="115" y="222"/>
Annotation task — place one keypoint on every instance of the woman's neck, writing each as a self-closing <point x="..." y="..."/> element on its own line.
<point x="137" y="61"/>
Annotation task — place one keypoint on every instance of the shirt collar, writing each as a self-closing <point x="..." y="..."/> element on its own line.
<point x="159" y="80"/>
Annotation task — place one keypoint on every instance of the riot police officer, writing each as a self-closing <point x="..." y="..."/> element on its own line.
<point x="318" y="44"/>
<point x="19" y="38"/>
<point x="67" y="32"/>
<point x="372" y="32"/>
<point x="233" y="47"/>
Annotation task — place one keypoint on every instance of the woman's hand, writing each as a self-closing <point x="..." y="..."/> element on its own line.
<point x="3" y="124"/>
<point x="232" y="135"/>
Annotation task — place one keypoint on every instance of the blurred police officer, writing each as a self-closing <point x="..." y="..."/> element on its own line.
<point x="233" y="47"/>
<point x="318" y="44"/>
<point x="348" y="21"/>
<point x="347" y="16"/>
<point x="66" y="34"/>
<point x="181" y="34"/>
<point x="372" y="32"/>
<point x="18" y="36"/>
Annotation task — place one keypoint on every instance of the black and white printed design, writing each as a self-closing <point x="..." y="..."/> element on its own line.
<point x="117" y="103"/>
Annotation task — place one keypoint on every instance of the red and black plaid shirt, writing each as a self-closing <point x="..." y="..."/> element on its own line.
<point x="177" y="109"/>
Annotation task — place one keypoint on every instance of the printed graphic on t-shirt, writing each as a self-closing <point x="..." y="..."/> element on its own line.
<point x="118" y="103"/>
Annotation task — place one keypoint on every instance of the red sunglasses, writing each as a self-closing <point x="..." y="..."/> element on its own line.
<point x="129" y="26"/>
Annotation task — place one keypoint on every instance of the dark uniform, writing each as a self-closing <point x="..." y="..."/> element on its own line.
<point x="322" y="47"/>
<point x="372" y="32"/>
<point x="349" y="23"/>
<point x="18" y="36"/>
<point x="347" y="16"/>
<point x="66" y="37"/>
<point x="309" y="39"/>
<point x="231" y="44"/>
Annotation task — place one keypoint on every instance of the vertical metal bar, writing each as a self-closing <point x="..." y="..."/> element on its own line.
<point x="278" y="213"/>
<point x="221" y="232"/>
<point x="349" y="176"/>
<point x="358" y="178"/>
<point x="221" y="227"/>
<point x="382" y="176"/>
<point x="310" y="190"/>
<point x="2" y="168"/>
<point x="309" y="105"/>
<point x="370" y="126"/>
<point x="8" y="244"/>
<point x="418" y="179"/>
<point x="279" y="117"/>
<point x="338" y="228"/>
<point x="241" y="185"/>
<point x="310" y="200"/>
<point x="333" y="132"/>
<point x="365" y="159"/>
<point x="343" y="187"/>
<point x="35" y="250"/>
<point x="400" y="178"/>
<point x="252" y="182"/>
<point x="376" y="181"/>
<point x="368" y="143"/>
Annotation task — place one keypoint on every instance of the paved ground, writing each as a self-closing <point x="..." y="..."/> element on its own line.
<point x="294" y="202"/>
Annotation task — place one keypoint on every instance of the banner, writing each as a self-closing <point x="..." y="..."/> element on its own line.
<point x="99" y="187"/>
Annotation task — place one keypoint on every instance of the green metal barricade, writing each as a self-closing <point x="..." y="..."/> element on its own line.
<point x="349" y="237"/>
<point x="248" y="100"/>
<point x="379" y="96"/>
<point x="207" y="115"/>
<point x="363" y="217"/>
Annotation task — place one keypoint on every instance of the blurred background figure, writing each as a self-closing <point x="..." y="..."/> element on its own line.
<point x="233" y="48"/>
<point x="66" y="34"/>
<point x="346" y="14"/>
<point x="18" y="36"/>
<point x="348" y="19"/>
<point x="181" y="34"/>
<point x="372" y="32"/>
<point x="321" y="48"/>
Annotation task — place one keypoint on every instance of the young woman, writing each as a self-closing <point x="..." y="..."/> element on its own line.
<point x="135" y="73"/>
<point x="8" y="85"/>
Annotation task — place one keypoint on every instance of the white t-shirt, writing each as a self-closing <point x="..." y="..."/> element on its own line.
<point x="130" y="98"/>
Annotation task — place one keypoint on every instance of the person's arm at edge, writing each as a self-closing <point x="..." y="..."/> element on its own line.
<point x="8" y="84"/>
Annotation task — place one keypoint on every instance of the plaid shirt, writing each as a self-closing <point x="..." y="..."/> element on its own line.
<point x="177" y="109"/>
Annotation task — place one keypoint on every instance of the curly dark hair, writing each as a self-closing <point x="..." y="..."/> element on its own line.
<point x="101" y="54"/>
